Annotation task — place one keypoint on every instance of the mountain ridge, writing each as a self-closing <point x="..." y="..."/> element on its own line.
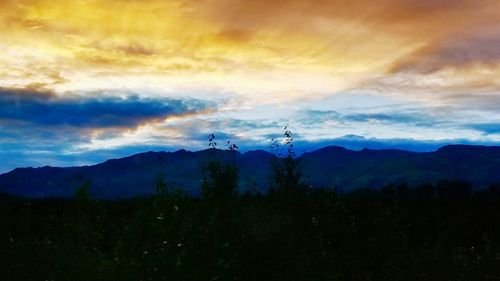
<point x="330" y="166"/>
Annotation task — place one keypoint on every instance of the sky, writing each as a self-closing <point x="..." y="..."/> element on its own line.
<point x="86" y="80"/>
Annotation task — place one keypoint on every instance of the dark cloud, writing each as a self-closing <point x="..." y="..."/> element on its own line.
<point x="39" y="128"/>
<point x="47" y="110"/>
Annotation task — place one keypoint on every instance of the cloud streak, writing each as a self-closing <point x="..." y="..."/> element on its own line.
<point x="48" y="110"/>
<point x="406" y="118"/>
<point x="460" y="51"/>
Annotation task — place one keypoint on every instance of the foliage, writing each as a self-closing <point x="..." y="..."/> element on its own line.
<point x="395" y="233"/>
<point x="286" y="173"/>
<point x="221" y="178"/>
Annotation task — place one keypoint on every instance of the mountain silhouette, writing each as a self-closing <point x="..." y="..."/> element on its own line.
<point x="328" y="167"/>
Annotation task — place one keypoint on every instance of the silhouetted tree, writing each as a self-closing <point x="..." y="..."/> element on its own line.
<point x="221" y="177"/>
<point x="286" y="173"/>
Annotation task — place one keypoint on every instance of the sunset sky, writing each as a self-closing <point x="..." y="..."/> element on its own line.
<point x="84" y="81"/>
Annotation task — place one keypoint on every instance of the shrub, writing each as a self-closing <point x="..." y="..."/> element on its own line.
<point x="221" y="178"/>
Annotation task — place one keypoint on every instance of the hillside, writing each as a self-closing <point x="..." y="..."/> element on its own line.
<point x="327" y="167"/>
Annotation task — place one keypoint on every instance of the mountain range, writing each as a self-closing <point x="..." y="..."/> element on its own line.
<point x="328" y="167"/>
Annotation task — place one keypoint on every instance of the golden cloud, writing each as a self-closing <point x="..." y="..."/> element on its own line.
<point x="264" y="49"/>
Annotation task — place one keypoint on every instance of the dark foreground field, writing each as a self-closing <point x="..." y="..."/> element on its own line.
<point x="434" y="232"/>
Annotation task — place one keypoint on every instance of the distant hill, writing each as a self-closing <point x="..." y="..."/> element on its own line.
<point x="331" y="166"/>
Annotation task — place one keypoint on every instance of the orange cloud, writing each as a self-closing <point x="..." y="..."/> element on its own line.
<point x="268" y="50"/>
